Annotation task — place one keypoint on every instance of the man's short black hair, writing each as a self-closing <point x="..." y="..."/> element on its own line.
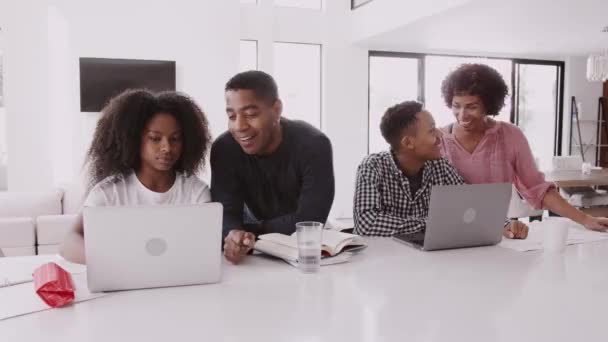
<point x="263" y="85"/>
<point x="396" y="119"/>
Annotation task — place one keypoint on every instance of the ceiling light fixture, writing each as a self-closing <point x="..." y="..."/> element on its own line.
<point x="597" y="64"/>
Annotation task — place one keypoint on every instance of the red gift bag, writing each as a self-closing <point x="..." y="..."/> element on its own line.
<point x="54" y="285"/>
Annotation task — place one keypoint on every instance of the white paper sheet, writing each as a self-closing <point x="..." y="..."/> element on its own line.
<point x="18" y="300"/>
<point x="576" y="234"/>
<point x="9" y="273"/>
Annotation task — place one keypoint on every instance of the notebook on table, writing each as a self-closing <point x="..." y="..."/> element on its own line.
<point x="336" y="247"/>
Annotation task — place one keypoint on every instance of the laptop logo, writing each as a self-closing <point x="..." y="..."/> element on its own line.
<point x="156" y="247"/>
<point x="469" y="216"/>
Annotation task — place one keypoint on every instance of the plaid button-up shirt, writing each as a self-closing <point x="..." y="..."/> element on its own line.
<point x="384" y="205"/>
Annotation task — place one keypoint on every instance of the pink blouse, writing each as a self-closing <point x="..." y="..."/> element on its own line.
<point x="502" y="156"/>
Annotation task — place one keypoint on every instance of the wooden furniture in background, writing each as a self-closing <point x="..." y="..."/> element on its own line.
<point x="568" y="179"/>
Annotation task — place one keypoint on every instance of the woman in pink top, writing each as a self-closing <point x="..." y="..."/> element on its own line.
<point x="484" y="150"/>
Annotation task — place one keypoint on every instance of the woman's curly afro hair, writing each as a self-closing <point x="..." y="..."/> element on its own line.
<point x="115" y="149"/>
<point x="476" y="80"/>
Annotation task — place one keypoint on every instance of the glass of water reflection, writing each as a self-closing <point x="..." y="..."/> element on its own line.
<point x="309" y="246"/>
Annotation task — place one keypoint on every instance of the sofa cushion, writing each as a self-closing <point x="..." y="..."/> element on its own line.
<point x="51" y="229"/>
<point x="18" y="251"/>
<point x="48" y="249"/>
<point x="30" y="204"/>
<point x="17" y="232"/>
<point x="73" y="196"/>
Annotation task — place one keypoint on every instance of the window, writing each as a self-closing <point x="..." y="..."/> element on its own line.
<point x="310" y="4"/>
<point x="534" y="102"/>
<point x="248" y="59"/>
<point x="538" y="91"/>
<point x="297" y="71"/>
<point x="392" y="80"/>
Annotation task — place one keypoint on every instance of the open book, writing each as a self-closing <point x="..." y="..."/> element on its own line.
<point x="336" y="247"/>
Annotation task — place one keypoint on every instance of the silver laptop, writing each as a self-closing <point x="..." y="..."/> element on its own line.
<point x="152" y="246"/>
<point x="463" y="216"/>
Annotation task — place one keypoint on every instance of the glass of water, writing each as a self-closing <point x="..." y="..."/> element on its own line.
<point x="309" y="246"/>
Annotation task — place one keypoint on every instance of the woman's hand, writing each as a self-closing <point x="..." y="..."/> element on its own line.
<point x="596" y="223"/>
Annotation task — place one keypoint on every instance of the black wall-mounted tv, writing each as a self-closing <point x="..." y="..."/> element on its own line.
<point x="103" y="78"/>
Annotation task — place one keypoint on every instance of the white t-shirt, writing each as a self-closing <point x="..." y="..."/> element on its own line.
<point x="128" y="191"/>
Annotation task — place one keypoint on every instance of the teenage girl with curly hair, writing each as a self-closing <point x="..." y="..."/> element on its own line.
<point x="146" y="150"/>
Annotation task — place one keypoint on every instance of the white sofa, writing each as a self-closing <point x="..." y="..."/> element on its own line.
<point x="36" y="222"/>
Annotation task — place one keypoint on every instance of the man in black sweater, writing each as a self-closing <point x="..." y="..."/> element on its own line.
<point x="268" y="172"/>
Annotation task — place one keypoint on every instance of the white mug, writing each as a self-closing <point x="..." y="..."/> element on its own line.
<point x="586" y="168"/>
<point x="556" y="236"/>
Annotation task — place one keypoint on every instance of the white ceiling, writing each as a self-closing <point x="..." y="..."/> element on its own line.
<point x="513" y="27"/>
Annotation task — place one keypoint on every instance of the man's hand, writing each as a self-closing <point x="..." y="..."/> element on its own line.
<point x="237" y="244"/>
<point x="516" y="230"/>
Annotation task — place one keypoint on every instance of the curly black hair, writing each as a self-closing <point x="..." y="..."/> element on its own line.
<point x="476" y="80"/>
<point x="396" y="119"/>
<point x="115" y="149"/>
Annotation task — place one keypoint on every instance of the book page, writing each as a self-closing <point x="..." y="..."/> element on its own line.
<point x="332" y="242"/>
<point x="287" y="240"/>
<point x="276" y="249"/>
<point x="336" y="241"/>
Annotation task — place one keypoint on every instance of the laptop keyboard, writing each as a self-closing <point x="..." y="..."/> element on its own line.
<point x="417" y="238"/>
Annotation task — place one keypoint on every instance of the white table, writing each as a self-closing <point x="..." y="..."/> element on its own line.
<point x="391" y="293"/>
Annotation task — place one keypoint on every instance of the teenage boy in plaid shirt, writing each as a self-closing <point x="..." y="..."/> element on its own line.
<point x="394" y="187"/>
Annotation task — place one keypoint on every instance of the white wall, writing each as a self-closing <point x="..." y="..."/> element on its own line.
<point x="3" y="178"/>
<point x="344" y="81"/>
<point x="2" y="119"/>
<point x="587" y="93"/>
<point x="201" y="36"/>
<point x="515" y="26"/>
<point x="346" y="102"/>
<point x="24" y="26"/>
<point x="382" y="16"/>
